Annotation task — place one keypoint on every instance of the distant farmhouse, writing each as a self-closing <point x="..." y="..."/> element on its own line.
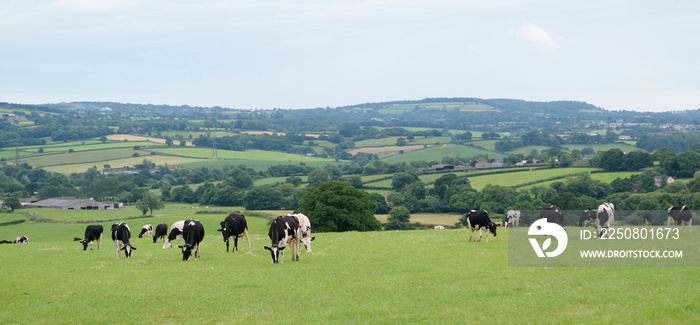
<point x="71" y="203"/>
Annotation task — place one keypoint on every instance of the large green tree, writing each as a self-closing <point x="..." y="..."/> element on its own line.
<point x="337" y="206"/>
<point x="149" y="202"/>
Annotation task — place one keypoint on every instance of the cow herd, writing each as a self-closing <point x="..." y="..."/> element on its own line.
<point x="292" y="229"/>
<point x="602" y="218"/>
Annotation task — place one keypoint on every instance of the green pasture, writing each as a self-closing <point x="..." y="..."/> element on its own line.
<point x="389" y="277"/>
<point x="239" y="155"/>
<point x="523" y="177"/>
<point x="120" y="163"/>
<point x="437" y="152"/>
<point x="433" y="140"/>
<point x="606" y="177"/>
<point x="258" y="165"/>
<point x="81" y="157"/>
<point x="624" y="147"/>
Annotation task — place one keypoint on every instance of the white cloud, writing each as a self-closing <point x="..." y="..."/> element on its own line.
<point x="534" y="33"/>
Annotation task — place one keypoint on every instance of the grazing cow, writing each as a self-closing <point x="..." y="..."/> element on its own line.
<point x="161" y="232"/>
<point x="18" y="240"/>
<point x="648" y="219"/>
<point x="680" y="215"/>
<point x="192" y="233"/>
<point x="477" y="219"/>
<point x="175" y="233"/>
<point x="439" y="227"/>
<point x="553" y="214"/>
<point x="304" y="234"/>
<point x="512" y="218"/>
<point x="146" y="230"/>
<point x="606" y="216"/>
<point x="588" y="217"/>
<point x="121" y="233"/>
<point x="282" y="230"/>
<point x="22" y="240"/>
<point x="235" y="226"/>
<point x="92" y="233"/>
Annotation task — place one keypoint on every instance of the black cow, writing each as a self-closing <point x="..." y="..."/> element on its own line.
<point x="680" y="215"/>
<point x="92" y="233"/>
<point x="146" y="230"/>
<point x="192" y="233"/>
<point x="477" y="219"/>
<point x="553" y="214"/>
<point x="648" y="219"/>
<point x="235" y="226"/>
<point x="121" y="233"/>
<point x="282" y="230"/>
<point x="161" y="232"/>
<point x="588" y="217"/>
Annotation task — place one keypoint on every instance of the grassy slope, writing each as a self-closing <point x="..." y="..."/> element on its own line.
<point x="379" y="277"/>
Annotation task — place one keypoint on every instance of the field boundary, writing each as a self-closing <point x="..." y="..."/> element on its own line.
<point x="38" y="218"/>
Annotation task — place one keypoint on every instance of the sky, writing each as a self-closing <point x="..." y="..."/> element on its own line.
<point x="261" y="54"/>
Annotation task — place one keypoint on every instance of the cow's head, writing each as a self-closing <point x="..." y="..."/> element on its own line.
<point x="224" y="231"/>
<point x="492" y="228"/>
<point x="167" y="244"/>
<point x="186" y="251"/>
<point x="85" y="244"/>
<point x="307" y="239"/>
<point x="275" y="253"/>
<point x="127" y="250"/>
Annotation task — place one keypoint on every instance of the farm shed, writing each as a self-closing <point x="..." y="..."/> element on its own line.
<point x="71" y="203"/>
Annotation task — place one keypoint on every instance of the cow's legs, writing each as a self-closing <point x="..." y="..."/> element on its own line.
<point x="245" y="233"/>
<point x="99" y="242"/>
<point x="116" y="246"/>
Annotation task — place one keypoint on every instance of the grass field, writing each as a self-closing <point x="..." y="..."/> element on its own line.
<point x="437" y="152"/>
<point x="392" y="277"/>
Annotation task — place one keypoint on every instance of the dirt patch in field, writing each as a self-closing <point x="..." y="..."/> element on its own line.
<point x="386" y="149"/>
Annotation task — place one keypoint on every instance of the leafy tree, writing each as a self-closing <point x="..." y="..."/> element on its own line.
<point x="380" y="201"/>
<point x="400" y="180"/>
<point x="318" y="176"/>
<point x="610" y="160"/>
<point x="337" y="206"/>
<point x="355" y="181"/>
<point x="294" y="180"/>
<point x="636" y="160"/>
<point x="264" y="198"/>
<point x="398" y="218"/>
<point x="12" y="203"/>
<point x="684" y="165"/>
<point x="149" y="202"/>
<point x="183" y="194"/>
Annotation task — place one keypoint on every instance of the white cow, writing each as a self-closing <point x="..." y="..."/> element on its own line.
<point x="175" y="233"/>
<point x="512" y="218"/>
<point x="304" y="231"/>
<point x="606" y="217"/>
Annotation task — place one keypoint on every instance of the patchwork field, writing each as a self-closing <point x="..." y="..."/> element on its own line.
<point x="406" y="277"/>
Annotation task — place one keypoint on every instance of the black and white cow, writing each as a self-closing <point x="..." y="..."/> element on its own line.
<point x="680" y="215"/>
<point x="192" y="233"/>
<point x="175" y="233"/>
<point x="121" y="234"/>
<point x="478" y="219"/>
<point x="553" y="214"/>
<point x="161" y="232"/>
<point x="512" y="218"/>
<point x="283" y="229"/>
<point x="146" y="230"/>
<point x="235" y="226"/>
<point x="18" y="240"/>
<point x="606" y="217"/>
<point x="588" y="217"/>
<point x="92" y="233"/>
<point x="304" y="234"/>
<point x="648" y="219"/>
